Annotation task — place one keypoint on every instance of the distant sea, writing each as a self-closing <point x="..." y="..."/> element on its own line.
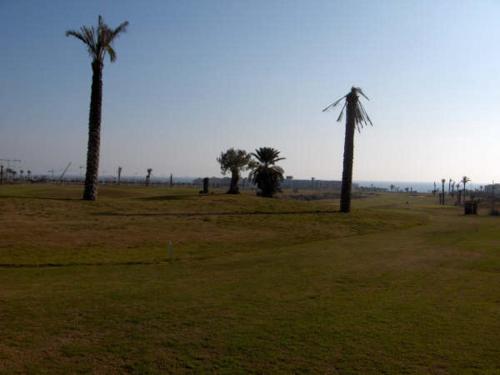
<point x="421" y="187"/>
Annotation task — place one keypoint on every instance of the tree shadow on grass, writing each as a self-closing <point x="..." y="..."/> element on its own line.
<point x="79" y="264"/>
<point x="170" y="197"/>
<point x="224" y="213"/>
<point x="36" y="197"/>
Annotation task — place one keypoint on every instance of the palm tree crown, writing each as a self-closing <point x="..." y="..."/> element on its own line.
<point x="360" y="116"/>
<point x="99" y="41"/>
<point x="267" y="156"/>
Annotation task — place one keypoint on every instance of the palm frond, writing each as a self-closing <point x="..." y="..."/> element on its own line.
<point x="342" y="112"/>
<point x="358" y="89"/>
<point x="366" y="119"/>
<point x="111" y="52"/>
<point x="334" y="104"/>
<point x="120" y="29"/>
<point x="76" y="34"/>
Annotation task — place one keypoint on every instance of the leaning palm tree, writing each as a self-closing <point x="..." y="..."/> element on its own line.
<point x="356" y="118"/>
<point x="99" y="42"/>
<point x="265" y="174"/>
<point x="464" y="181"/>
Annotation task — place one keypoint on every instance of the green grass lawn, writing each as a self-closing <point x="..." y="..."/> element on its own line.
<point x="254" y="285"/>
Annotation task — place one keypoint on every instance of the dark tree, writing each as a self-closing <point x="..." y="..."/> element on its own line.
<point x="464" y="181"/>
<point x="99" y="42"/>
<point x="148" y="176"/>
<point x="356" y="118"/>
<point x="206" y="181"/>
<point x="265" y="174"/>
<point x="234" y="161"/>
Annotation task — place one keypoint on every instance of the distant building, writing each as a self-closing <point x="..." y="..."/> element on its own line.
<point x="314" y="184"/>
<point x="492" y="187"/>
<point x="288" y="183"/>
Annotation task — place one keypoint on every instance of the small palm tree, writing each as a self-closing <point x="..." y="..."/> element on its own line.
<point x="265" y="174"/>
<point x="464" y="181"/>
<point x="148" y="176"/>
<point x="356" y="117"/>
<point x="234" y="161"/>
<point x="442" y="190"/>
<point x="99" y="42"/>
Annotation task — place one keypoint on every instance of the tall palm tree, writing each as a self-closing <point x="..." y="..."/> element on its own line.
<point x="265" y="174"/>
<point x="464" y="181"/>
<point x="356" y="118"/>
<point x="99" y="42"/>
<point x="234" y="161"/>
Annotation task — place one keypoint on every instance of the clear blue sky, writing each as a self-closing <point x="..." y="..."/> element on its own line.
<point x="196" y="77"/>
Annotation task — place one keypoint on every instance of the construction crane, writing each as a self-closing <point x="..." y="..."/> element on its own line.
<point x="51" y="171"/>
<point x="64" y="172"/>
<point x="8" y="170"/>
<point x="10" y="161"/>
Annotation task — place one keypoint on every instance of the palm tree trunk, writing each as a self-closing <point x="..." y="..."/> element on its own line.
<point x="92" y="173"/>
<point x="233" y="187"/>
<point x="442" y="192"/>
<point x="345" y="195"/>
